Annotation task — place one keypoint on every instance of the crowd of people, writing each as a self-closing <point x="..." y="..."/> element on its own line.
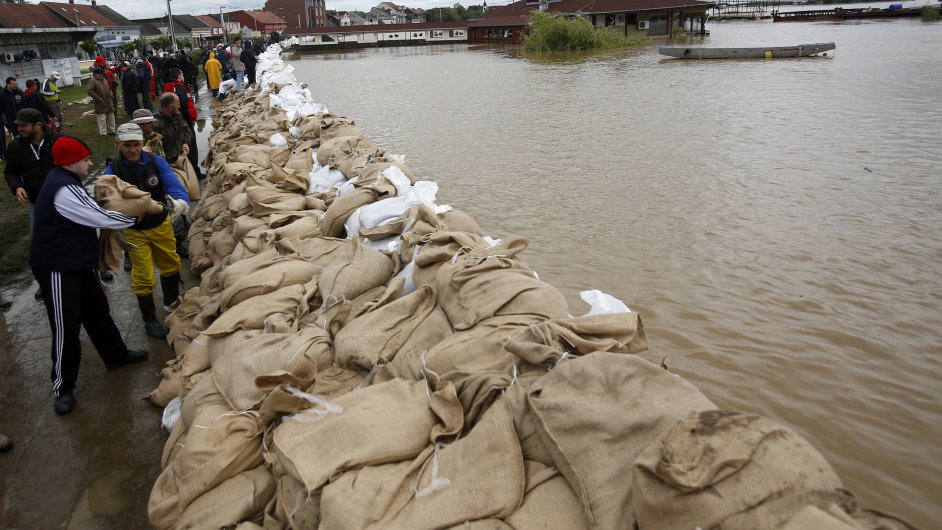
<point x="45" y="168"/>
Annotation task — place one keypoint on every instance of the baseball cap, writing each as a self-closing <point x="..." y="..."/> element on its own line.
<point x="55" y="74"/>
<point x="28" y="116"/>
<point x="130" y="131"/>
<point x="142" y="116"/>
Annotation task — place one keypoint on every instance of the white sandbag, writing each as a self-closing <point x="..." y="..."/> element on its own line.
<point x="602" y="303"/>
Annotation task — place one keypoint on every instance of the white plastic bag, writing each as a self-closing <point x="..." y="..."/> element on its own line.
<point x="602" y="303"/>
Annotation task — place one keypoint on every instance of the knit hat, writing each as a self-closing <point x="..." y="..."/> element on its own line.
<point x="69" y="150"/>
<point x="99" y="60"/>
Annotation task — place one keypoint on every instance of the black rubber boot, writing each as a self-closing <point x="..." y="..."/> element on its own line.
<point x="127" y="262"/>
<point x="149" y="312"/>
<point x="171" y="288"/>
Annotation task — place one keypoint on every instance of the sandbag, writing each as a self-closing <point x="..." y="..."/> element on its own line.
<point x="546" y="342"/>
<point x="729" y="469"/>
<point x="478" y="476"/>
<point x="549" y="502"/>
<point x="354" y="271"/>
<point x="376" y="337"/>
<point x="596" y="413"/>
<point x="187" y="176"/>
<point x="238" y="498"/>
<point x="388" y="422"/>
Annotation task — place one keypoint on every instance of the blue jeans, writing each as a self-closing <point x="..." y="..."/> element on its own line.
<point x="239" y="77"/>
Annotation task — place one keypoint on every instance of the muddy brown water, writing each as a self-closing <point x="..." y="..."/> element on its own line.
<point x="776" y="223"/>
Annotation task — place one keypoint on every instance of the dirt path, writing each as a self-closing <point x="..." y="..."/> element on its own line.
<point x="94" y="468"/>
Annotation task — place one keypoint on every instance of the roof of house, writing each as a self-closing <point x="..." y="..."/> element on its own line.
<point x="113" y="15"/>
<point x="189" y="21"/>
<point x="378" y="27"/>
<point x="30" y="16"/>
<point x="85" y="15"/>
<point x="209" y="21"/>
<point x="517" y="13"/>
<point x="262" y="17"/>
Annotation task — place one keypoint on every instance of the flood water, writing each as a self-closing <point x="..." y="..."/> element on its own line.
<point x="776" y="223"/>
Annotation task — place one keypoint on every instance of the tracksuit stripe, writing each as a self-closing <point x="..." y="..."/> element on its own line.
<point x="55" y="294"/>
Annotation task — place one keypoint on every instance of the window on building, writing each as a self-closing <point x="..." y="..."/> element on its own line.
<point x="657" y="24"/>
<point x="692" y="24"/>
<point x="609" y="20"/>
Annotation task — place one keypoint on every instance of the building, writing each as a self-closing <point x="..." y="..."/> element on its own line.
<point x="260" y="23"/>
<point x="300" y="13"/>
<point x="216" y="33"/>
<point x="111" y="29"/>
<point x="634" y="18"/>
<point x="379" y="35"/>
<point x="349" y="18"/>
<point x="34" y="41"/>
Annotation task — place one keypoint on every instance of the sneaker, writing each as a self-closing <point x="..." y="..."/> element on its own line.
<point x="105" y="276"/>
<point x="134" y="356"/>
<point x="38" y="294"/>
<point x="65" y="404"/>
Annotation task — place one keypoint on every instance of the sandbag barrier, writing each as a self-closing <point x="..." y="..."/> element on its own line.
<point x="358" y="356"/>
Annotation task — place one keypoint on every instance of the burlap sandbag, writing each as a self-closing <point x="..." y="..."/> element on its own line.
<point x="388" y="422"/>
<point x="268" y="355"/>
<point x="332" y="151"/>
<point x="596" y="413"/>
<point x="220" y="245"/>
<point x="281" y="307"/>
<point x="332" y="126"/>
<point x="482" y="524"/>
<point x="479" y="476"/>
<point x="474" y="288"/>
<point x="240" y="205"/>
<point x="187" y="176"/>
<point x="261" y="155"/>
<point x="238" y="498"/>
<point x="265" y="201"/>
<point x="282" y="272"/>
<point x="546" y="342"/>
<point x="210" y="207"/>
<point x="338" y="212"/>
<point x="549" y="502"/>
<point x="112" y="193"/>
<point x="304" y="227"/>
<point x="243" y="224"/>
<point x="220" y="445"/>
<point x="377" y="336"/>
<point x="293" y="507"/>
<point x="319" y="251"/>
<point x="170" y="386"/>
<point x="478" y="349"/>
<point x="352" y="272"/>
<point x="729" y="469"/>
<point x="340" y="313"/>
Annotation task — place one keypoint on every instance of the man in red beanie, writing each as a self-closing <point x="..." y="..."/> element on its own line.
<point x="64" y="256"/>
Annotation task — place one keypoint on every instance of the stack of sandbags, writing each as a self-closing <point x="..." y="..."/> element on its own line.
<point x="357" y="356"/>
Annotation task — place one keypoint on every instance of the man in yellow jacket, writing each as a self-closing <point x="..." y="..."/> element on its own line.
<point x="213" y="70"/>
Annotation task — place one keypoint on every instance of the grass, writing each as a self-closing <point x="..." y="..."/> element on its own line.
<point x="552" y="33"/>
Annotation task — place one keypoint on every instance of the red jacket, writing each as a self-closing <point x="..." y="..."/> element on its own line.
<point x="186" y="103"/>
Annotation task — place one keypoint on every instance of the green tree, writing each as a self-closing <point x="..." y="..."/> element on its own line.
<point x="127" y="50"/>
<point x="161" y="43"/>
<point x="183" y="43"/>
<point x="89" y="46"/>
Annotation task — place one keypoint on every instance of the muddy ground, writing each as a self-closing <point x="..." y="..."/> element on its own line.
<point x="94" y="468"/>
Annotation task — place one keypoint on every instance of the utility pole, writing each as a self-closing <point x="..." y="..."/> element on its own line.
<point x="222" y="19"/>
<point x="173" y="39"/>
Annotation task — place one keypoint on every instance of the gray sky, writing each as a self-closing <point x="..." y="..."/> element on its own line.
<point x="156" y="8"/>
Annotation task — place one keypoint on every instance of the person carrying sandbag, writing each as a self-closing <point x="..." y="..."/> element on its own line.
<point x="151" y="238"/>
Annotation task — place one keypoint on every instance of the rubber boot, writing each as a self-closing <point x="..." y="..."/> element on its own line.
<point x="127" y="262"/>
<point x="149" y="312"/>
<point x="171" y="288"/>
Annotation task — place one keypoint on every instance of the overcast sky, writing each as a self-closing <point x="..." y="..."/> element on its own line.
<point x="135" y="9"/>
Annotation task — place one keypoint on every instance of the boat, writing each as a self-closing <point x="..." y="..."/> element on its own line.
<point x="770" y="52"/>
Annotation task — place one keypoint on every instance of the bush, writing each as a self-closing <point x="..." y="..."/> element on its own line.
<point x="930" y="14"/>
<point x="559" y="32"/>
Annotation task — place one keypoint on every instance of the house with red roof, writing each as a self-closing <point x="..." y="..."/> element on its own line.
<point x="638" y="19"/>
<point x="35" y="41"/>
<point x="260" y="23"/>
<point x="111" y="29"/>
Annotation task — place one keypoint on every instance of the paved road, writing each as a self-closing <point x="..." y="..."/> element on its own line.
<point x="92" y="469"/>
